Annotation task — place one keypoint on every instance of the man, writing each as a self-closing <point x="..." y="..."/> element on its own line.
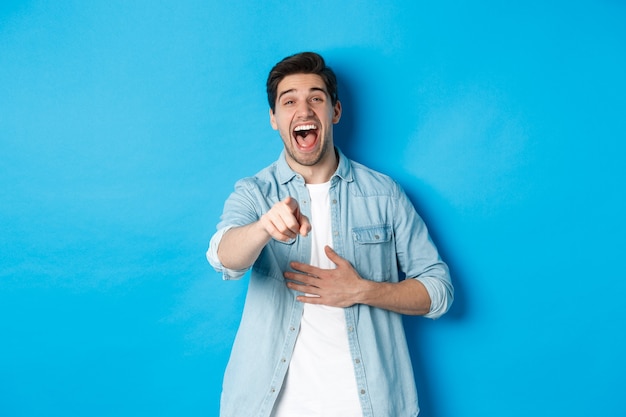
<point x="321" y="332"/>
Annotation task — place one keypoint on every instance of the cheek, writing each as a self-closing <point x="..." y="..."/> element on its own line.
<point x="280" y="122"/>
<point x="285" y="135"/>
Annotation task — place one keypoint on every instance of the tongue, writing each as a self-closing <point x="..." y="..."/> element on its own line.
<point x="306" y="140"/>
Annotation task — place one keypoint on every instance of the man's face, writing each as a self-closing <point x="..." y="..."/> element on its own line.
<point x="304" y="117"/>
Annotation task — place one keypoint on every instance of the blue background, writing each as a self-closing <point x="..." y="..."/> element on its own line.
<point x="124" y="125"/>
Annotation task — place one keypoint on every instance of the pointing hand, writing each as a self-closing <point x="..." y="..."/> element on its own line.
<point x="284" y="221"/>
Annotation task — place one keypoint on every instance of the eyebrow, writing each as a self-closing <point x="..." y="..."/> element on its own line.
<point x="312" y="89"/>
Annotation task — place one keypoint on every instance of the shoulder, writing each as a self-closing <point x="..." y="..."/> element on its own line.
<point x="262" y="180"/>
<point x="368" y="181"/>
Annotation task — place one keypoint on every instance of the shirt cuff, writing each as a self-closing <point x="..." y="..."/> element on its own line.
<point x="440" y="296"/>
<point x="211" y="256"/>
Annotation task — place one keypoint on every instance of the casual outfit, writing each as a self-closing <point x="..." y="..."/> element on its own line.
<point x="290" y="354"/>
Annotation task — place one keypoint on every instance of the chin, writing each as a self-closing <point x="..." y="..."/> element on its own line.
<point x="308" y="162"/>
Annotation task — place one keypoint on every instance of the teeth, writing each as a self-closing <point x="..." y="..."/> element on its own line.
<point x="305" y="127"/>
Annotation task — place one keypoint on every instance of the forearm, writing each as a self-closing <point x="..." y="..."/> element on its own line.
<point x="408" y="297"/>
<point x="241" y="246"/>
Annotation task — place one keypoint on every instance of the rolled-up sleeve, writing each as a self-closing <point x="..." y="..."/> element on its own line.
<point x="239" y="210"/>
<point x="441" y="296"/>
<point x="211" y="256"/>
<point x="419" y="258"/>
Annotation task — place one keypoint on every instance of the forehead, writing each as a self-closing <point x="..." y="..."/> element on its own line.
<point x="297" y="83"/>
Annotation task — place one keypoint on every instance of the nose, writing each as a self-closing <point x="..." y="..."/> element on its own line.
<point x="304" y="109"/>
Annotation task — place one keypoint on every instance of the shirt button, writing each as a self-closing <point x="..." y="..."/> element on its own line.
<point x="358" y="360"/>
<point x="283" y="360"/>
<point x="362" y="391"/>
<point x="350" y="328"/>
<point x="334" y="201"/>
<point x="376" y="237"/>
<point x="293" y="329"/>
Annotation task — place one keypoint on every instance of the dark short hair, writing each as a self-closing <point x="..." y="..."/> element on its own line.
<point x="302" y="63"/>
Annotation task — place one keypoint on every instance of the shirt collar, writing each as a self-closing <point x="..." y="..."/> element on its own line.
<point x="286" y="174"/>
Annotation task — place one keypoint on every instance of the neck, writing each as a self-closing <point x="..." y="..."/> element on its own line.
<point x="319" y="173"/>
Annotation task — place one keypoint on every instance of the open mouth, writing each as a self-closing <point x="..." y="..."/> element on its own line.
<point x="305" y="136"/>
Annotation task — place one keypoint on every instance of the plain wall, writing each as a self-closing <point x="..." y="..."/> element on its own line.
<point x="124" y="125"/>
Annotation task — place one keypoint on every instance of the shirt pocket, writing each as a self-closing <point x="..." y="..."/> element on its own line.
<point x="373" y="250"/>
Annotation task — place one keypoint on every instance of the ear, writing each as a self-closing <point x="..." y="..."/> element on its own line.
<point x="273" y="120"/>
<point x="337" y="112"/>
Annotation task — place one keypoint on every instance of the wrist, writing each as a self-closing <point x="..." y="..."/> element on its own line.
<point x="367" y="292"/>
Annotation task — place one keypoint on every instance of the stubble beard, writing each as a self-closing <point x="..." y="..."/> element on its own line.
<point x="309" y="162"/>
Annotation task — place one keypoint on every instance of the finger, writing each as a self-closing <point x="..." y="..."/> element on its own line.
<point x="290" y="214"/>
<point x="280" y="221"/>
<point x="332" y="255"/>
<point x="303" y="288"/>
<point x="292" y="203"/>
<point x="305" y="225"/>
<point x="276" y="227"/>
<point x="310" y="299"/>
<point x="301" y="278"/>
<point x="306" y="268"/>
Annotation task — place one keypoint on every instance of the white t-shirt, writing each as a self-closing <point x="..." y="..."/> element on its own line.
<point x="320" y="381"/>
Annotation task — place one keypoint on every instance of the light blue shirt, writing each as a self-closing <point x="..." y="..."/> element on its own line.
<point x="377" y="229"/>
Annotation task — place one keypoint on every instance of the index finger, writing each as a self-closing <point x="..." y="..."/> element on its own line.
<point x="292" y="204"/>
